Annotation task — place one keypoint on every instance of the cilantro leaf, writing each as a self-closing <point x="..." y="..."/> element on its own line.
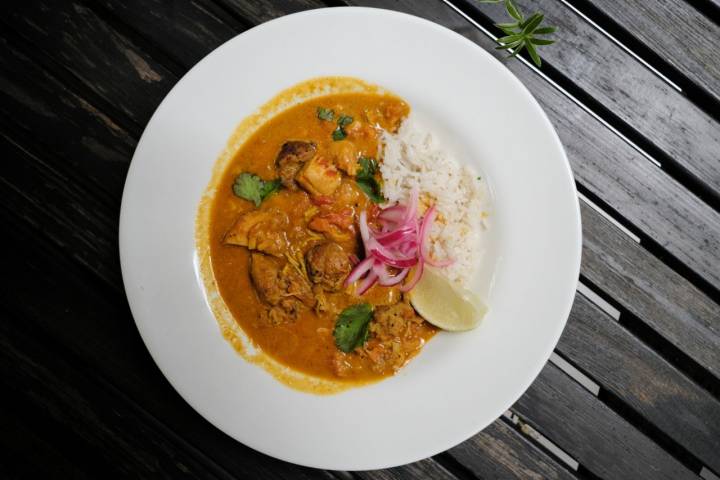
<point x="269" y="188"/>
<point x="368" y="167"/>
<point x="325" y="114"/>
<point x="366" y="180"/>
<point x="344" y="120"/>
<point x="339" y="133"/>
<point x="253" y="188"/>
<point x="352" y="327"/>
<point x="371" y="187"/>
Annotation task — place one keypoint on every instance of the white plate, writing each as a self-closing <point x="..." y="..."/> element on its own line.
<point x="460" y="383"/>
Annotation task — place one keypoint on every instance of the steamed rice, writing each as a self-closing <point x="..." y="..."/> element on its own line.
<point x="413" y="158"/>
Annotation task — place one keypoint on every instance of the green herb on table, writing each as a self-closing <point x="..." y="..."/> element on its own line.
<point x="325" y="114"/>
<point x="251" y="187"/>
<point x="366" y="180"/>
<point x="522" y="33"/>
<point x="339" y="133"/>
<point x="352" y="327"/>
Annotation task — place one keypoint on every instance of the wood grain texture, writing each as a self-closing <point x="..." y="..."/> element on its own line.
<point x="590" y="432"/>
<point x="606" y="165"/>
<point x="259" y="11"/>
<point x="498" y="452"/>
<point x="95" y="150"/>
<point x="427" y="468"/>
<point x="677" y="32"/>
<point x="31" y="452"/>
<point x="105" y="61"/>
<point x="60" y="210"/>
<point x="627" y="88"/>
<point x="651" y="290"/>
<point x="184" y="31"/>
<point x="633" y="372"/>
<point x="122" y="442"/>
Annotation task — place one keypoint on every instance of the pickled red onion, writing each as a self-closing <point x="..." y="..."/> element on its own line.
<point x="400" y="244"/>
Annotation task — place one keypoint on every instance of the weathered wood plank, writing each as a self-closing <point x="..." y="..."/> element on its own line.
<point x="627" y="88"/>
<point x="31" y="452"/>
<point x="607" y="166"/>
<point x="105" y="61"/>
<point x="651" y="290"/>
<point x="633" y="372"/>
<point x="185" y="31"/>
<point x="119" y="438"/>
<point x="590" y="432"/>
<point x="260" y="11"/>
<point x="677" y="32"/>
<point x="60" y="209"/>
<point x="427" y="468"/>
<point x="94" y="149"/>
<point x="499" y="452"/>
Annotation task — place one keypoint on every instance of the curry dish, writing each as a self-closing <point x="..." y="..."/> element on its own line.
<point x="285" y="235"/>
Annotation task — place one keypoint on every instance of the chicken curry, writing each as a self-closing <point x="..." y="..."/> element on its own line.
<point x="284" y="236"/>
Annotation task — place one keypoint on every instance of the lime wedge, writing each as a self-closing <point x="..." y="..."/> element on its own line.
<point x="445" y="305"/>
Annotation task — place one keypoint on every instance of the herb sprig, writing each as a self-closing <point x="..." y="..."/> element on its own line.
<point x="366" y="180"/>
<point x="253" y="188"/>
<point x="352" y="327"/>
<point x="522" y="32"/>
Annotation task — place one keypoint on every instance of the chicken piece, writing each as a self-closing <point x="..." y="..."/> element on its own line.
<point x="345" y="156"/>
<point x="293" y="155"/>
<point x="394" y="114"/>
<point x="361" y="130"/>
<point x="279" y="284"/>
<point x="262" y="230"/>
<point x="319" y="176"/>
<point x="335" y="226"/>
<point x="328" y="265"/>
<point x="394" y="321"/>
<point x="394" y="337"/>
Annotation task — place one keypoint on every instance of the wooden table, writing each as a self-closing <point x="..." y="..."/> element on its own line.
<point x="633" y="390"/>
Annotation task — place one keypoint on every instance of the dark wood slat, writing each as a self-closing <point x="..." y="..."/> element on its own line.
<point x="116" y="435"/>
<point x="60" y="208"/>
<point x="105" y="61"/>
<point x="677" y="32"/>
<point x="95" y="325"/>
<point x="633" y="372"/>
<point x="95" y="150"/>
<point x="649" y="289"/>
<point x="427" y="468"/>
<point x="499" y="452"/>
<point x="186" y="31"/>
<point x="627" y="88"/>
<point x="590" y="432"/>
<point x="259" y="11"/>
<point x="607" y="166"/>
<point x="28" y="453"/>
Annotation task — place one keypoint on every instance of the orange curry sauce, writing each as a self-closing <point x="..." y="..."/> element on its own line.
<point x="307" y="343"/>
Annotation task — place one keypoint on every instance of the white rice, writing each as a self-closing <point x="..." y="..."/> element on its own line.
<point x="413" y="158"/>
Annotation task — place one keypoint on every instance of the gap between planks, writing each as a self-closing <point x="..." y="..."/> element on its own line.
<point x="708" y="474"/>
<point x="624" y="47"/>
<point x="541" y="440"/>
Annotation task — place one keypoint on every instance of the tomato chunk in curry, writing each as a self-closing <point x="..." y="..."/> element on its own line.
<point x="281" y="266"/>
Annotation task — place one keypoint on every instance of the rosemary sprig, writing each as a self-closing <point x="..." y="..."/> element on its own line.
<point x="522" y="32"/>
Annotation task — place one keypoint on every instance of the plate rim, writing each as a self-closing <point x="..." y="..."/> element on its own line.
<point x="521" y="388"/>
